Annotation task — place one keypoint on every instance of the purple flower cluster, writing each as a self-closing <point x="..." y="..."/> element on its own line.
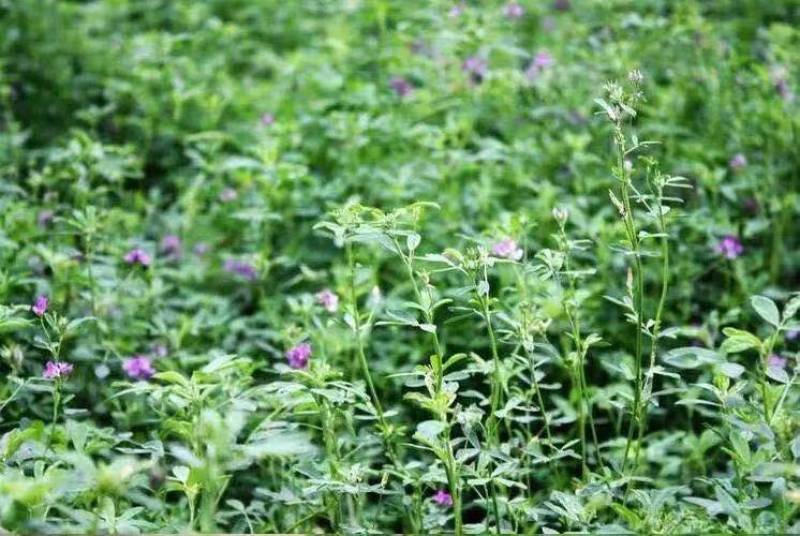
<point x="542" y="61"/>
<point x="240" y="268"/>
<point x="507" y="249"/>
<point x="401" y="86"/>
<point x="513" y="10"/>
<point x="457" y="10"/>
<point x="776" y="361"/>
<point x="730" y="247"/>
<point x="737" y="162"/>
<point x="298" y="355"/>
<point x="328" y="300"/>
<point x="228" y="195"/>
<point x="45" y="218"/>
<point x="476" y="67"/>
<point x="443" y="498"/>
<point x="56" y="369"/>
<point x="171" y="245"/>
<point x="138" y="367"/>
<point x="138" y="256"/>
<point x="39" y="307"/>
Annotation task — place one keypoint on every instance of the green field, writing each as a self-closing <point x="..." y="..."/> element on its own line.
<point x="399" y="266"/>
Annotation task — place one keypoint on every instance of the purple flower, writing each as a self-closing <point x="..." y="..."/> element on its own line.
<point x="561" y="5"/>
<point x="298" y="356"/>
<point x="171" y="245"/>
<point x="159" y="350"/>
<point x="507" y="249"/>
<point x="137" y="256"/>
<point x="45" y="218"/>
<point x="542" y="61"/>
<point x="781" y="84"/>
<point x="200" y="249"/>
<point x="240" y="268"/>
<point x="513" y="10"/>
<point x="442" y="498"/>
<point x="750" y="206"/>
<point x="267" y="119"/>
<point x="730" y="247"/>
<point x="400" y="86"/>
<point x="792" y="334"/>
<point x="328" y="299"/>
<point x="776" y="361"/>
<point x="39" y="307"/>
<point x="138" y="367"/>
<point x="457" y="10"/>
<point x="476" y="67"/>
<point x="737" y="162"/>
<point x="54" y="370"/>
<point x="227" y="195"/>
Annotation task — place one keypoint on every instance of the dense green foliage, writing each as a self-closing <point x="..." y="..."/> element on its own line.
<point x="399" y="266"/>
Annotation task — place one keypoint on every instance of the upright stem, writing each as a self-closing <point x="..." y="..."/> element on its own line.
<point x="453" y="477"/>
<point x="657" y="321"/>
<point x="496" y="378"/>
<point x="630" y="228"/>
<point x="361" y="354"/>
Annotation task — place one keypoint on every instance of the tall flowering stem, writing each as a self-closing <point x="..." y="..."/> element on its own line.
<point x="427" y="305"/>
<point x="621" y="107"/>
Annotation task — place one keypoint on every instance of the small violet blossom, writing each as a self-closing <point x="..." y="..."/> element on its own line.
<point x="45" y="218"/>
<point x="137" y="256"/>
<point x="328" y="299"/>
<point x="53" y="370"/>
<point x="792" y="334"/>
<point x="442" y="498"/>
<point x="730" y="247"/>
<point x="39" y="307"/>
<point x="781" y="84"/>
<point x="138" y="367"/>
<point x="457" y="10"/>
<point x="200" y="249"/>
<point x="401" y="86"/>
<point x="267" y="120"/>
<point x="298" y="356"/>
<point x="737" y="162"/>
<point x="513" y="10"/>
<point x="159" y="350"/>
<point x="776" y="361"/>
<point x="243" y="269"/>
<point x="171" y="245"/>
<point x="542" y="61"/>
<point x="227" y="195"/>
<point x="561" y="5"/>
<point x="507" y="249"/>
<point x="476" y="67"/>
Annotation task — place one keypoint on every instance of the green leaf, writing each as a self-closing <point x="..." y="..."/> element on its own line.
<point x="171" y="376"/>
<point x="428" y="431"/>
<point x="766" y="309"/>
<point x="691" y="357"/>
<point x="738" y="341"/>
<point x="778" y="374"/>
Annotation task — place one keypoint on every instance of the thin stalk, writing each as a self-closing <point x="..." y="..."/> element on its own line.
<point x="453" y="477"/>
<point x="630" y="227"/>
<point x="657" y="321"/>
<point x="584" y="405"/>
<point x="362" y="355"/>
<point x="496" y="378"/>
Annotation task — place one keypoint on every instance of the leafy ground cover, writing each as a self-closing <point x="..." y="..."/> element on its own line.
<point x="373" y="266"/>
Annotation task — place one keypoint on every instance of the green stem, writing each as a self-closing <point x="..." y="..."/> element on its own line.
<point x="657" y="321"/>
<point x="361" y="353"/>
